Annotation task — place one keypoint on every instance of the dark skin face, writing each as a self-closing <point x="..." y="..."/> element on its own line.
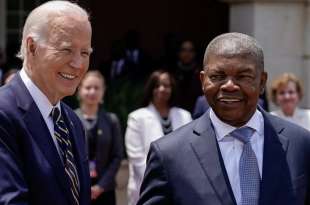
<point x="232" y="86"/>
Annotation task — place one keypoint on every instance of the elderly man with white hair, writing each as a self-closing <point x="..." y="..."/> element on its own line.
<point x="43" y="159"/>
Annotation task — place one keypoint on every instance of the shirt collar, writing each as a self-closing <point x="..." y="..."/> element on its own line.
<point x="38" y="96"/>
<point x="223" y="129"/>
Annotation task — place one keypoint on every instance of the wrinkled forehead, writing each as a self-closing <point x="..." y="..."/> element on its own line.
<point x="235" y="48"/>
<point x="226" y="58"/>
<point x="65" y="27"/>
<point x="244" y="60"/>
<point x="230" y="48"/>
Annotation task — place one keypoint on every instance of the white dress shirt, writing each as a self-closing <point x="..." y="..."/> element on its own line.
<point x="42" y="102"/>
<point x="231" y="148"/>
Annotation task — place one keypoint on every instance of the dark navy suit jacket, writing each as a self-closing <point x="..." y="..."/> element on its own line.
<point x="185" y="167"/>
<point x="31" y="171"/>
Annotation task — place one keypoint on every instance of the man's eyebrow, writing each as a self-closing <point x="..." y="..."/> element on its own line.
<point x="246" y="70"/>
<point x="65" y="44"/>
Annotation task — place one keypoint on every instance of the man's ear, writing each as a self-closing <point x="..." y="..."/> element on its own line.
<point x="263" y="81"/>
<point x="202" y="78"/>
<point x="31" y="46"/>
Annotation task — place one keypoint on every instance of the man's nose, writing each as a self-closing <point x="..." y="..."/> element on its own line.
<point x="76" y="61"/>
<point x="230" y="85"/>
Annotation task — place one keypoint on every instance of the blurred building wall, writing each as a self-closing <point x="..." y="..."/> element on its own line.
<point x="200" y="20"/>
<point x="282" y="27"/>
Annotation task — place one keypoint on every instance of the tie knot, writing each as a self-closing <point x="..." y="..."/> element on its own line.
<point x="243" y="134"/>
<point x="55" y="114"/>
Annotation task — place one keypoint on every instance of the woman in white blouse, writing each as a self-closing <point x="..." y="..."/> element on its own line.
<point x="286" y="92"/>
<point x="157" y="118"/>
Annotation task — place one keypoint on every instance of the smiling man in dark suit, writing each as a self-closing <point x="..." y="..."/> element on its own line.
<point x="42" y="149"/>
<point x="236" y="153"/>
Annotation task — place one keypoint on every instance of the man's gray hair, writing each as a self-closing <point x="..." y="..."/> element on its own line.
<point x="39" y="19"/>
<point x="235" y="44"/>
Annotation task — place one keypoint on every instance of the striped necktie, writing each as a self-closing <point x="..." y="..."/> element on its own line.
<point x="61" y="133"/>
<point x="248" y="168"/>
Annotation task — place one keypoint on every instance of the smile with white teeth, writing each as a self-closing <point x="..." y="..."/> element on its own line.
<point x="229" y="100"/>
<point x="67" y="76"/>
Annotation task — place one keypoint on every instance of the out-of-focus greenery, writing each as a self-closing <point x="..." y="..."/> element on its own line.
<point x="122" y="96"/>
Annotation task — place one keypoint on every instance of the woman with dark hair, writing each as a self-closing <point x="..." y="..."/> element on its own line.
<point x="104" y="139"/>
<point x="157" y="118"/>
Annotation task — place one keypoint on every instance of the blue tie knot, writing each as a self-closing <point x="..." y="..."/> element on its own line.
<point x="243" y="134"/>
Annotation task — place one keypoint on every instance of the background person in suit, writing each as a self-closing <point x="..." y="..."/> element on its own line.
<point x="186" y="71"/>
<point x="103" y="132"/>
<point x="157" y="118"/>
<point x="201" y="106"/>
<point x="236" y="153"/>
<point x="42" y="142"/>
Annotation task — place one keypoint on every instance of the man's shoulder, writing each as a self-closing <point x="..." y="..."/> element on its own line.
<point x="7" y="96"/>
<point x="8" y="104"/>
<point x="288" y="129"/>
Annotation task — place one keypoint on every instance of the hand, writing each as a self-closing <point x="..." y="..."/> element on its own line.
<point x="96" y="190"/>
<point x="93" y="173"/>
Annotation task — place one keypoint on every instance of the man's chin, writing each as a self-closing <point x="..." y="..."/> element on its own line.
<point x="68" y="92"/>
<point x="233" y="118"/>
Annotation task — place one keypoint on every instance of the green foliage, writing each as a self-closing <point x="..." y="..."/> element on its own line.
<point x="123" y="96"/>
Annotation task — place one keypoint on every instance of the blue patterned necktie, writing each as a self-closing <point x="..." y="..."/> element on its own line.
<point x="61" y="133"/>
<point x="248" y="168"/>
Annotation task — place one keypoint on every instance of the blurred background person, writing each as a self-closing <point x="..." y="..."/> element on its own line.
<point x="138" y="62"/>
<point x="186" y="71"/>
<point x="103" y="134"/>
<point x="8" y="76"/>
<point x="201" y="106"/>
<point x="157" y="118"/>
<point x="287" y="92"/>
<point x="119" y="65"/>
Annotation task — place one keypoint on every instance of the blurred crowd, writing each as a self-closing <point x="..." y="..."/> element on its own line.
<point x="172" y="97"/>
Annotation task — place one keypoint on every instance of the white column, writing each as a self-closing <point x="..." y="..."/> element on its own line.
<point x="306" y="56"/>
<point x="279" y="26"/>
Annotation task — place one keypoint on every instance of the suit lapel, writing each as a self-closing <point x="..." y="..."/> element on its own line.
<point x="38" y="130"/>
<point x="205" y="148"/>
<point x="274" y="162"/>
